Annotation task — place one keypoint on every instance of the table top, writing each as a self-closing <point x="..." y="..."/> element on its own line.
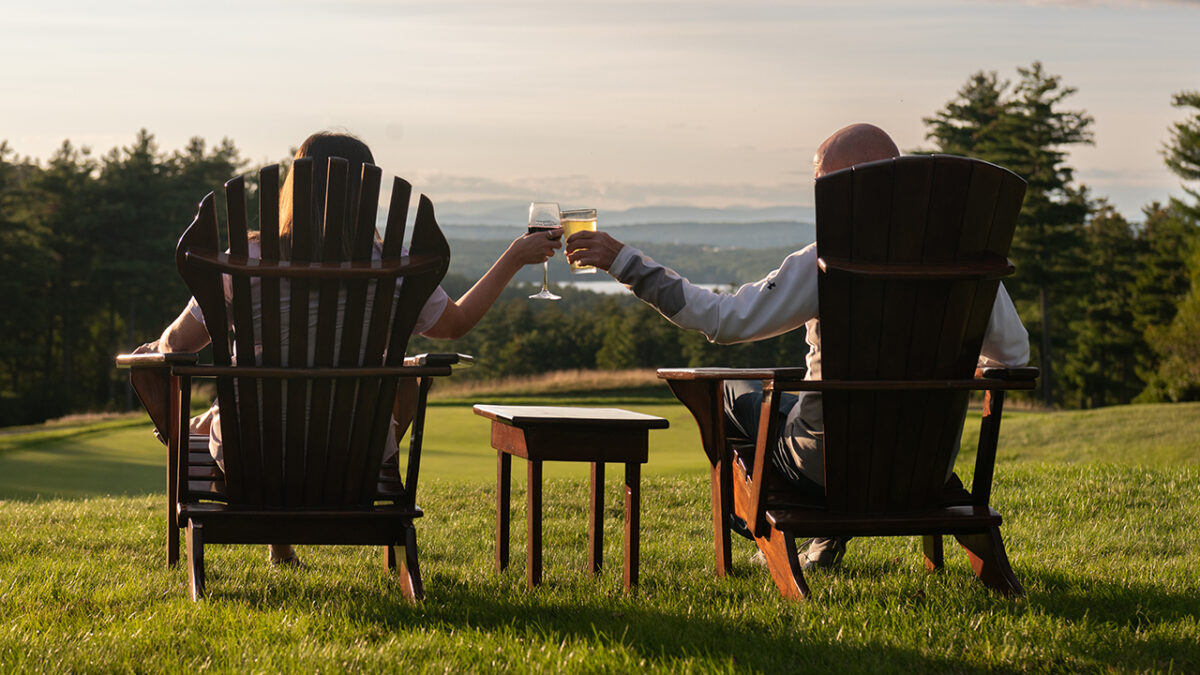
<point x="529" y="415"/>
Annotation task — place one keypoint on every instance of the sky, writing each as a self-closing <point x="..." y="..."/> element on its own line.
<point x="605" y="104"/>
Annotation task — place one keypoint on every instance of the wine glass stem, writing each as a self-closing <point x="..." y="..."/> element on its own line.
<point x="545" y="275"/>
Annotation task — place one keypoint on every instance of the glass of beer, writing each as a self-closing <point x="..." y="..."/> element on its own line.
<point x="579" y="220"/>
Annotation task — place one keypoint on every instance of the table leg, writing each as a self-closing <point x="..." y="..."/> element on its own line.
<point x="533" y="571"/>
<point x="633" y="509"/>
<point x="503" y="494"/>
<point x="596" y="520"/>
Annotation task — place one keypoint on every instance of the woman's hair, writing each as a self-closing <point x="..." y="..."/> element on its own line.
<point x="320" y="147"/>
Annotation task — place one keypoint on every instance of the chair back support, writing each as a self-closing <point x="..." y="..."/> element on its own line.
<point x="911" y="251"/>
<point x="305" y="422"/>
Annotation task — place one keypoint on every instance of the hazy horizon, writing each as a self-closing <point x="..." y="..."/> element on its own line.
<point x="614" y="105"/>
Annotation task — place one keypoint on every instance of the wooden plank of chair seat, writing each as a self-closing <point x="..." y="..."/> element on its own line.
<point x="947" y="520"/>
<point x="206" y="489"/>
<point x="211" y="473"/>
<point x="389" y="490"/>
<point x="200" y="456"/>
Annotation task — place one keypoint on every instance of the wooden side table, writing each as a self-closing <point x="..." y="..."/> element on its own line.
<point x="548" y="433"/>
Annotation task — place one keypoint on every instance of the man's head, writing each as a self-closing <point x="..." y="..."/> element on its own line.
<point x="852" y="145"/>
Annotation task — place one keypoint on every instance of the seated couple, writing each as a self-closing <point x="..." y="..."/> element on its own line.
<point x="784" y="300"/>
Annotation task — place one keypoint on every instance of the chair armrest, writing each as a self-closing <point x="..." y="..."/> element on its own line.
<point x="1010" y="374"/>
<point x="156" y="359"/>
<point x="433" y="360"/>
<point x="976" y="384"/>
<point x="693" y="374"/>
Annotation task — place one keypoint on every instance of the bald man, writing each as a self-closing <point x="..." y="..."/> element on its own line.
<point x="784" y="300"/>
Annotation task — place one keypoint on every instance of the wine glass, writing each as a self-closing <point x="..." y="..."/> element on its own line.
<point x="543" y="217"/>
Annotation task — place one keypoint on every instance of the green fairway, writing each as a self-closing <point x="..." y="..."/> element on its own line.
<point x="123" y="458"/>
<point x="1100" y="524"/>
<point x="109" y="458"/>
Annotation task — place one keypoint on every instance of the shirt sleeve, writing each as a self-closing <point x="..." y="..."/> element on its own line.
<point x="193" y="308"/>
<point x="432" y="311"/>
<point x="779" y="302"/>
<point x="1006" y="342"/>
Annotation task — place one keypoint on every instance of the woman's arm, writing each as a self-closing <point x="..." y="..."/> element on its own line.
<point x="185" y="334"/>
<point x="460" y="317"/>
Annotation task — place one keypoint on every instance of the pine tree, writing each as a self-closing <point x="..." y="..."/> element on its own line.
<point x="1182" y="152"/>
<point x="1028" y="132"/>
<point x="1102" y="369"/>
<point x="1177" y="344"/>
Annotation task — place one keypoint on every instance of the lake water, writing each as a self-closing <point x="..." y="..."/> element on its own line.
<point x="610" y="287"/>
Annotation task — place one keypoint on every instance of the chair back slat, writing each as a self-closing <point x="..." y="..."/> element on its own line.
<point x="346" y="395"/>
<point x="376" y="341"/>
<point x="908" y="197"/>
<point x="248" y="412"/>
<point x="271" y="344"/>
<point x="835" y="206"/>
<point x="295" y="437"/>
<point x="330" y="247"/>
<point x="327" y="450"/>
<point x="393" y="233"/>
<point x="427" y="239"/>
<point x="891" y="450"/>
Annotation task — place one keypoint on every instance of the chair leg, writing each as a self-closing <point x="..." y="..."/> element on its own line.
<point x="989" y="560"/>
<point x="195" y="556"/>
<point x="408" y="570"/>
<point x="934" y="556"/>
<point x="779" y="548"/>
<point x="722" y="508"/>
<point x="172" y="537"/>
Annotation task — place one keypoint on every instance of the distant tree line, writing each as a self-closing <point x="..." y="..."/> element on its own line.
<point x="87" y="265"/>
<point x="589" y="330"/>
<point x="1113" y="307"/>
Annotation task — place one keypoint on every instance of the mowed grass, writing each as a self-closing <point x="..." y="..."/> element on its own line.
<point x="1100" y="523"/>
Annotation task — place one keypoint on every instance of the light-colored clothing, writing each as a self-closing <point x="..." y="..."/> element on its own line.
<point x="429" y="315"/>
<point x="782" y="301"/>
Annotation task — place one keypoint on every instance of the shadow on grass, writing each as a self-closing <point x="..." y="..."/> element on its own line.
<point x="557" y="616"/>
<point x="1132" y="606"/>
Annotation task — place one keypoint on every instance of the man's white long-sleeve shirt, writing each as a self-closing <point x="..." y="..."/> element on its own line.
<point x="780" y="302"/>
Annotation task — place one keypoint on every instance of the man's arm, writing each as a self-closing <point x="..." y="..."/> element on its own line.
<point x="780" y="302"/>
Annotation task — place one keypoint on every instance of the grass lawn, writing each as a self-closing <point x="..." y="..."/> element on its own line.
<point x="1101" y="528"/>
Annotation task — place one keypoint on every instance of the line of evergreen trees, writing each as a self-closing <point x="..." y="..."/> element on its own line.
<point x="1108" y="303"/>
<point x="87" y="265"/>
<point x="1113" y="307"/>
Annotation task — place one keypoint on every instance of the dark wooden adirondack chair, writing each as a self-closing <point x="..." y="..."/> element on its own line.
<point x="911" y="251"/>
<point x="303" y="429"/>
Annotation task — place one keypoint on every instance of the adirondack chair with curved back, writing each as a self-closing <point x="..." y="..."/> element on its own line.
<point x="911" y="251"/>
<point x="303" y="426"/>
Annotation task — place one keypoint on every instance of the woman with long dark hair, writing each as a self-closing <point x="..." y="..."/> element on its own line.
<point x="441" y="317"/>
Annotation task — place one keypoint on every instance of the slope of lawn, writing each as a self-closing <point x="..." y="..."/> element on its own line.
<point x="1100" y="524"/>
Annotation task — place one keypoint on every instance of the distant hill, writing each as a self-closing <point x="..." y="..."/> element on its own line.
<point x="748" y="235"/>
<point x="499" y="212"/>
